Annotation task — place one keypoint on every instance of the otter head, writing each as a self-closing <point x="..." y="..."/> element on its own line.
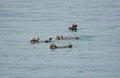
<point x="57" y="37"/>
<point x="53" y="46"/>
<point x="73" y="24"/>
<point x="33" y="38"/>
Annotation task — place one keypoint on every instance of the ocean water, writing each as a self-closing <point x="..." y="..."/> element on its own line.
<point x="95" y="55"/>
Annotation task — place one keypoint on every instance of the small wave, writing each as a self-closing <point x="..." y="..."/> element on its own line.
<point x="86" y="37"/>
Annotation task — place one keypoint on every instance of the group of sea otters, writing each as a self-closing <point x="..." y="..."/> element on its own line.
<point x="73" y="27"/>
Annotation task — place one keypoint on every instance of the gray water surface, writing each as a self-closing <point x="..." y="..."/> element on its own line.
<point x="95" y="55"/>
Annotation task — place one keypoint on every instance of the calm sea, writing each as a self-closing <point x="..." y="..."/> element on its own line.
<point x="95" y="55"/>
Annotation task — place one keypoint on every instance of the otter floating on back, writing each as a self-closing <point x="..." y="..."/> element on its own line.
<point x="37" y="40"/>
<point x="65" y="38"/>
<point x="53" y="46"/>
